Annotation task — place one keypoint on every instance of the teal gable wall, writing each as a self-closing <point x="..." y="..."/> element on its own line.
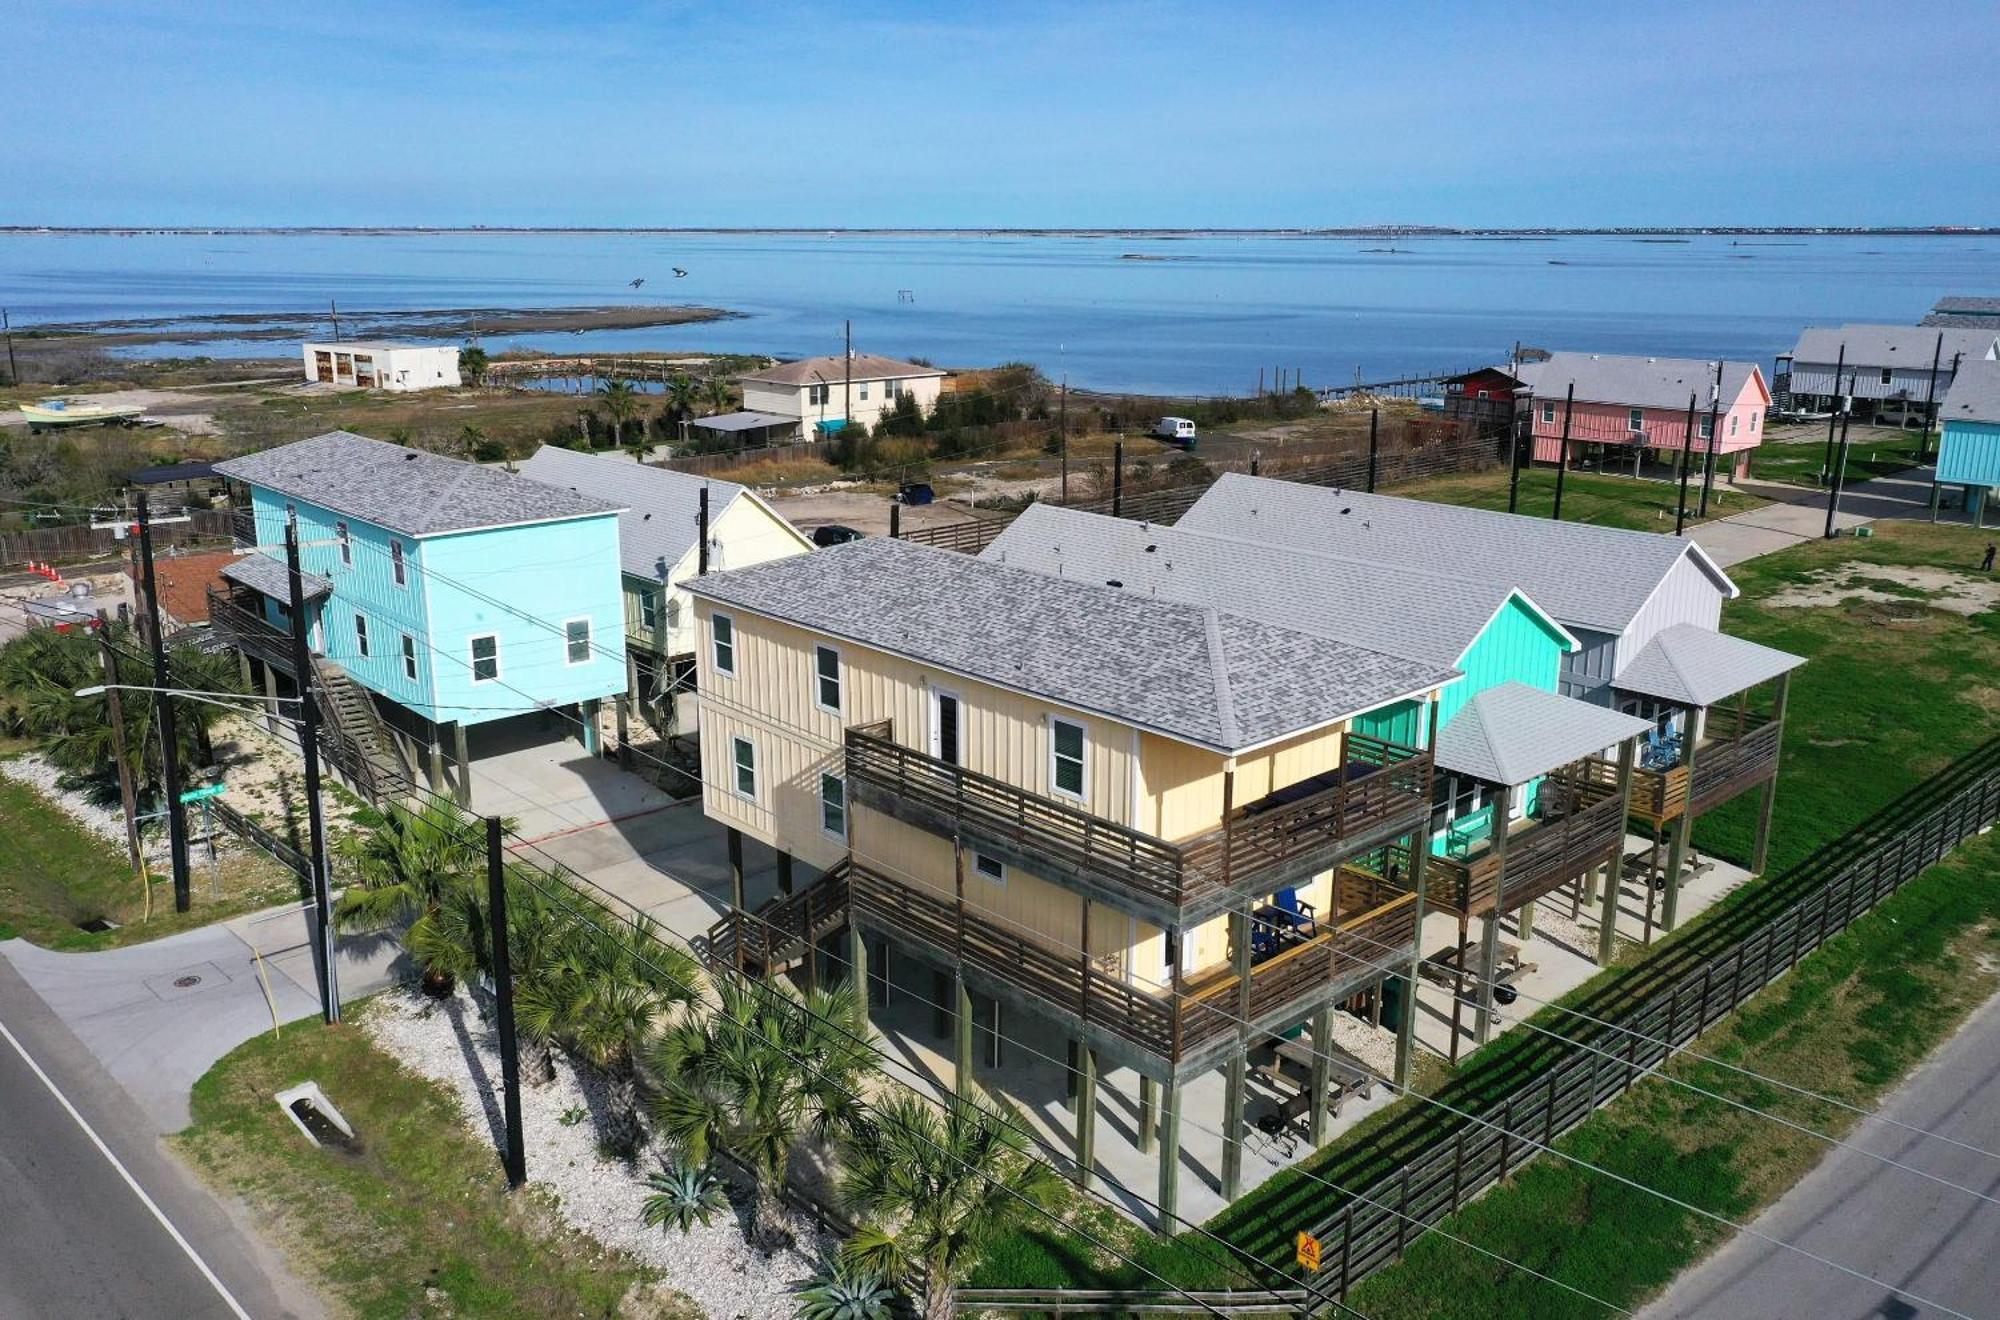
<point x="520" y="584"/>
<point x="1969" y="454"/>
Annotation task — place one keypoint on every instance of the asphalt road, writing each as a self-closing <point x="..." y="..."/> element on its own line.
<point x="1939" y="1245"/>
<point x="118" y="1230"/>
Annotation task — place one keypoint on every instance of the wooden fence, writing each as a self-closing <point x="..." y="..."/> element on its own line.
<point x="1378" y="1223"/>
<point x="726" y="459"/>
<point x="81" y="543"/>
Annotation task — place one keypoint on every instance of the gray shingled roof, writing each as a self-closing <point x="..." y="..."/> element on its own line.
<point x="1692" y="666"/>
<point x="657" y="528"/>
<point x="834" y="369"/>
<point x="1637" y="382"/>
<point x="1202" y="676"/>
<point x="405" y="490"/>
<point x="1401" y="611"/>
<point x="1510" y="733"/>
<point x="1586" y="576"/>
<point x="1908" y="346"/>
<point x="1974" y="395"/>
<point x="261" y="572"/>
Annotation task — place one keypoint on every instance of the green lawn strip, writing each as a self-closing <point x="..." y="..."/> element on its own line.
<point x="419" y="1222"/>
<point x="55" y="875"/>
<point x="1849" y="1022"/>
<point x="1871" y="455"/>
<point x="1604" y="501"/>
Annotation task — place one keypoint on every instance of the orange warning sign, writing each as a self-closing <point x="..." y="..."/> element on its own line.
<point x="1308" y="1250"/>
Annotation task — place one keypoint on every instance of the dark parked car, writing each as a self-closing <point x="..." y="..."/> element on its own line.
<point x="833" y="534"/>
<point x="916" y="492"/>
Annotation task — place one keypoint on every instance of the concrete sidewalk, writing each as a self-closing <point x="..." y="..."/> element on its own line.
<point x="158" y="1016"/>
<point x="1799" y="514"/>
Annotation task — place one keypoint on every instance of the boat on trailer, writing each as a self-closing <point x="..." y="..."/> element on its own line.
<point x="53" y="413"/>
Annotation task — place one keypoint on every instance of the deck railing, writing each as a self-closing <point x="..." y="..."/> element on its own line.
<point x="1550" y="852"/>
<point x="1724" y="766"/>
<point x="1383" y="789"/>
<point x="235" y="614"/>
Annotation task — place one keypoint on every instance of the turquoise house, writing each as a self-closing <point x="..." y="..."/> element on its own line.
<point x="1491" y="632"/>
<point x="1969" y="451"/>
<point x="449" y="605"/>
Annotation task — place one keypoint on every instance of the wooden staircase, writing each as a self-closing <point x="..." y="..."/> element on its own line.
<point x="778" y="935"/>
<point x="353" y="737"/>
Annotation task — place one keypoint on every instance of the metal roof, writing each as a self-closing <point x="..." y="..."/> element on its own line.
<point x="834" y="368"/>
<point x="1585" y="576"/>
<point x="1401" y="611"/>
<point x="1511" y="733"/>
<point x="1637" y="382"/>
<point x="1693" y="666"/>
<point x="1967" y="306"/>
<point x="1202" y="676"/>
<point x="657" y="527"/>
<point x="153" y="476"/>
<point x="1909" y="346"/>
<point x="731" y="422"/>
<point x="1974" y="395"/>
<point x="262" y="572"/>
<point x="406" y="490"/>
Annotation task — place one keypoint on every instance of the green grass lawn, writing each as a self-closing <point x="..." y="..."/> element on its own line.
<point x="55" y="876"/>
<point x="1633" y="504"/>
<point x="419" y="1221"/>
<point x="1870" y="453"/>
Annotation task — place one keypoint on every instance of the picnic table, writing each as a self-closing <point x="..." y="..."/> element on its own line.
<point x="1291" y="1066"/>
<point x="1445" y="966"/>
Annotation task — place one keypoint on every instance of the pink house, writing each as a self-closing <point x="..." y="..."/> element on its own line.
<point x="1641" y="404"/>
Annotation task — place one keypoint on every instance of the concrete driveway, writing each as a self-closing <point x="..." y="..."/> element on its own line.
<point x="548" y="785"/>
<point x="1799" y="514"/>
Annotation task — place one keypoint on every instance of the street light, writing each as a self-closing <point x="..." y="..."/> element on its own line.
<point x="237" y="701"/>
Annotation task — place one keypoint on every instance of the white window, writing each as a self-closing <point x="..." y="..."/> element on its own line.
<point x="396" y="567"/>
<point x="1708" y="428"/>
<point x="833" y="805"/>
<point x="1635" y="419"/>
<point x="576" y="642"/>
<point x="1066" y="744"/>
<point x="864" y="391"/>
<point x="745" y="757"/>
<point x="1732" y="426"/>
<point x="1756" y="420"/>
<point x="724" y="634"/>
<point x="1887" y="375"/>
<point x="486" y="659"/>
<point x="826" y="678"/>
<point x="1549" y="414"/>
<point x="816" y="395"/>
<point x="409" y="657"/>
<point x="346" y="543"/>
<point x="649" y="609"/>
<point x="990" y="867"/>
<point x="361" y="635"/>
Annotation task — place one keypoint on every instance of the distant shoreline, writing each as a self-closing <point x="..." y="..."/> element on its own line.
<point x="362" y="324"/>
<point x="1355" y="231"/>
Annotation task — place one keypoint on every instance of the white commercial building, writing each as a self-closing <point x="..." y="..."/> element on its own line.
<point x="826" y="392"/>
<point x="381" y="366"/>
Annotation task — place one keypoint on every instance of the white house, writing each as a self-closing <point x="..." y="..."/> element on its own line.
<point x="832" y="390"/>
<point x="1886" y="368"/>
<point x="383" y="366"/>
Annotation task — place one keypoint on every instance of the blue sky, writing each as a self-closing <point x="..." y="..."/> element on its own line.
<point x="1002" y="114"/>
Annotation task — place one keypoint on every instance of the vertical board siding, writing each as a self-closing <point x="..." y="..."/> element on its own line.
<point x="1516" y="646"/>
<point x="1969" y="454"/>
<point x="1687" y="594"/>
<point x="1586" y="672"/>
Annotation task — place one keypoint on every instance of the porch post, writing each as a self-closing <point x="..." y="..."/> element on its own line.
<point x="1233" y="1078"/>
<point x="1406" y="1030"/>
<point x="1760" y="850"/>
<point x="1322" y="1038"/>
<point x="1677" y="850"/>
<point x="591" y="741"/>
<point x="270" y="695"/>
<point x="785" y="874"/>
<point x="1607" y="931"/>
<point x="435" y="770"/>
<point x="1524" y="921"/>
<point x="961" y="1077"/>
<point x="1148" y="1110"/>
<point x="464" y="758"/>
<point x="623" y="706"/>
<point x="1086" y="1113"/>
<point x="1489" y="929"/>
<point x="1170" y="1156"/>
<point x="735" y="837"/>
<point x="857" y="964"/>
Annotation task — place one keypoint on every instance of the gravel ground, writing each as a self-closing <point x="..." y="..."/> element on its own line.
<point x="34" y="770"/>
<point x="450" y="1043"/>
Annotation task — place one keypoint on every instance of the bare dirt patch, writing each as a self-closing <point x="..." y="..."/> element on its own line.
<point x="1894" y="584"/>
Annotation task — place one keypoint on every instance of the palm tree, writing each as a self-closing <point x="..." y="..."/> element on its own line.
<point x="621" y="405"/>
<point x="683" y="397"/>
<point x="457" y="939"/>
<point x="932" y="1187"/>
<point x="718" y="393"/>
<point x="603" y="994"/>
<point x="845" y="1293"/>
<point x="473" y="364"/>
<point x="409" y="865"/>
<point x="753" y="1077"/>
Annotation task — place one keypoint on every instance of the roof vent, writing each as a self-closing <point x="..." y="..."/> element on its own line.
<point x="1113" y="582"/>
<point x="410" y="457"/>
<point x="1151" y="549"/>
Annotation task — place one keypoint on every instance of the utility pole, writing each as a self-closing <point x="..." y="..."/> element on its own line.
<point x="1062" y="431"/>
<point x="7" y="327"/>
<point x="1714" y="420"/>
<point x="1514" y="457"/>
<point x="847" y="368"/>
<point x="127" y="795"/>
<point x="1833" y="418"/>
<point x="1374" y="444"/>
<point x="334" y="308"/>
<point x="170" y="752"/>
<point x="1562" y="450"/>
<point x="701" y="531"/>
<point x="1839" y="469"/>
<point x="516" y="1157"/>
<point x="1118" y="479"/>
<point x="1930" y="399"/>
<point x="1687" y="452"/>
<point x="302" y="669"/>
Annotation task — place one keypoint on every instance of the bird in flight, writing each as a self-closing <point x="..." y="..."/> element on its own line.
<point x="679" y="274"/>
<point x="636" y="283"/>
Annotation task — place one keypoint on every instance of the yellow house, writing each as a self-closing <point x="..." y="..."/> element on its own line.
<point x="1149" y="822"/>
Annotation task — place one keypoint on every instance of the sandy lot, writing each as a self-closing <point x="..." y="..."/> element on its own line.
<point x="1942" y="589"/>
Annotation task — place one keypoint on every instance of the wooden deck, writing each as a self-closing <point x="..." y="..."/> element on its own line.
<point x="1725" y="766"/>
<point x="235" y="616"/>
<point x="1582" y="827"/>
<point x="1382" y="793"/>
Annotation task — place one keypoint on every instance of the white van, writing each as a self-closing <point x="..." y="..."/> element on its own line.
<point x="1175" y="431"/>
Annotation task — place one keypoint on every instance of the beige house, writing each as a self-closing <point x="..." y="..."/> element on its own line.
<point x="1069" y="800"/>
<point x="820" y="390"/>
<point x="660" y="553"/>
